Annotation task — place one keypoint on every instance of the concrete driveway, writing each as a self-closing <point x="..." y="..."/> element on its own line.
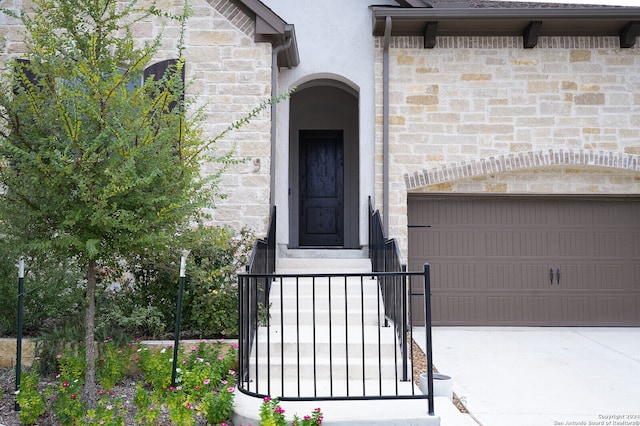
<point x="542" y="376"/>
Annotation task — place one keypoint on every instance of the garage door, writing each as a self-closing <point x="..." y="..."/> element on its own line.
<point x="518" y="261"/>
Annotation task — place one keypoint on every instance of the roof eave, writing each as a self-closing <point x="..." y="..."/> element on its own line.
<point x="270" y="28"/>
<point x="575" y="21"/>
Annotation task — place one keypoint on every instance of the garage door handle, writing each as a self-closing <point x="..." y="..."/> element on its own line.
<point x="551" y="276"/>
<point x="558" y="276"/>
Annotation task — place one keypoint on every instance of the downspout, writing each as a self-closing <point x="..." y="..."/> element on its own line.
<point x="274" y="121"/>
<point x="385" y="125"/>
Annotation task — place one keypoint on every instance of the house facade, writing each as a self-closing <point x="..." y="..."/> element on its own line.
<point x="500" y="141"/>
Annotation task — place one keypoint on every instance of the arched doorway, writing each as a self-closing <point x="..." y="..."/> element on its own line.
<point x="324" y="166"/>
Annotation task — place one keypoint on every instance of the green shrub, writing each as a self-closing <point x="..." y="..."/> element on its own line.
<point x="205" y="386"/>
<point x="31" y="400"/>
<point x="52" y="294"/>
<point x="209" y="310"/>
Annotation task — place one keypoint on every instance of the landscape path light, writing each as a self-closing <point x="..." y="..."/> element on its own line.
<point x="19" y="338"/>
<point x="176" y="340"/>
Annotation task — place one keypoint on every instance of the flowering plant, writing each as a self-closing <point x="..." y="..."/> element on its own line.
<point x="272" y="414"/>
<point x="205" y="387"/>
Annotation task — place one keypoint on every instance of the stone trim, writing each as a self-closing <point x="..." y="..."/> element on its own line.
<point x="235" y="16"/>
<point x="503" y="42"/>
<point x="520" y="161"/>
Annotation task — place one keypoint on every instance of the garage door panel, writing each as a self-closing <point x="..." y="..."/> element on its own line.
<point x="491" y="260"/>
<point x="457" y="276"/>
<point x="536" y="310"/>
<point x="594" y="244"/>
<point x="462" y="309"/>
<point x="501" y="310"/>
<point x="575" y="310"/>
<point x="512" y="243"/>
<point x="611" y="310"/>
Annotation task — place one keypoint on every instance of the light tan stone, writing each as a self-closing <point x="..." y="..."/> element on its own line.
<point x="589" y="99"/>
<point x="580" y="56"/>
<point x="476" y="77"/>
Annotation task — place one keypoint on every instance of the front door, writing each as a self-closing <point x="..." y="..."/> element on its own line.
<point x="321" y="188"/>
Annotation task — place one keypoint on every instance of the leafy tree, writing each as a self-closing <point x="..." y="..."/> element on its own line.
<point x="95" y="160"/>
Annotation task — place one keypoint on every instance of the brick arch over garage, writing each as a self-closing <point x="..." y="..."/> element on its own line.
<point x="521" y="161"/>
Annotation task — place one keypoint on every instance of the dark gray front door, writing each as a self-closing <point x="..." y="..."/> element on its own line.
<point x="321" y="188"/>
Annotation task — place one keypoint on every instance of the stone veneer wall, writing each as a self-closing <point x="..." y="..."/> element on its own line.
<point x="229" y="75"/>
<point x="484" y="115"/>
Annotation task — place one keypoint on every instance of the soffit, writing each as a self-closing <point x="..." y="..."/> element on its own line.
<point x="476" y="19"/>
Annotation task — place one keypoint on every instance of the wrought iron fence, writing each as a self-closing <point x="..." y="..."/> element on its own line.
<point x="333" y="336"/>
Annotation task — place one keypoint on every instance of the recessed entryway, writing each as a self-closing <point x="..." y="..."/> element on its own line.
<point x="324" y="166"/>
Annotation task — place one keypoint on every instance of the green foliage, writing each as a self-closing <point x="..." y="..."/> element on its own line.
<point x="53" y="342"/>
<point x="53" y="292"/>
<point x="32" y="402"/>
<point x="217" y="256"/>
<point x="211" y="292"/>
<point x="272" y="414"/>
<point x="205" y="386"/>
<point x="113" y="362"/>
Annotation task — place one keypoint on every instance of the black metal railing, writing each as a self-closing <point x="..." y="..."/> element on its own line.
<point x="329" y="336"/>
<point x="323" y="336"/>
<point x="396" y="292"/>
<point x="262" y="262"/>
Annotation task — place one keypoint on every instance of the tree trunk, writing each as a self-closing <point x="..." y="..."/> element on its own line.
<point x="90" y="316"/>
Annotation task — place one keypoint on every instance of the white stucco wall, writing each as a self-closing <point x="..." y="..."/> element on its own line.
<point x="334" y="41"/>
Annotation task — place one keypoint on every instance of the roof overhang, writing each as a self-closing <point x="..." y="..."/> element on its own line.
<point x="530" y="23"/>
<point x="270" y="28"/>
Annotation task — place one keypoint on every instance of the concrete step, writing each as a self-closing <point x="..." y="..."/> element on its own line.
<point x="335" y="335"/>
<point x="339" y="369"/>
<point x="388" y="412"/>
<point x="323" y="387"/>
<point x="324" y="349"/>
<point x="324" y="317"/>
<point x="330" y="265"/>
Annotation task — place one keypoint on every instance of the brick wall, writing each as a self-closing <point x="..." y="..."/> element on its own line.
<point x="229" y="75"/>
<point x="484" y="115"/>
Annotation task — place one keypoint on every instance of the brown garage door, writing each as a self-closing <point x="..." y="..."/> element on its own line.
<point x="519" y="261"/>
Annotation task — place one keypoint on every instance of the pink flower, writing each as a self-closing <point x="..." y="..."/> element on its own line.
<point x="220" y="340"/>
<point x="220" y="358"/>
<point x="234" y="345"/>
<point x="231" y="372"/>
<point x="224" y="382"/>
<point x="65" y="384"/>
<point x="193" y="348"/>
<point x="197" y="387"/>
<point x="73" y="396"/>
<point x="171" y="388"/>
<point x="206" y="381"/>
<point x="58" y="356"/>
<point x="188" y="406"/>
<point x="207" y="363"/>
<point x="184" y="362"/>
<point x="267" y="399"/>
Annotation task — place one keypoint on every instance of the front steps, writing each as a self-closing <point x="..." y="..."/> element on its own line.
<point x="310" y="322"/>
